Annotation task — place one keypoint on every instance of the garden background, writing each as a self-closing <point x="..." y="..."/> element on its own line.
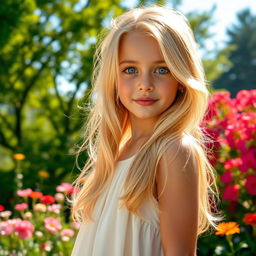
<point x="46" y="58"/>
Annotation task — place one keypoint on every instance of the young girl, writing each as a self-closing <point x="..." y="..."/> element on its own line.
<point x="147" y="188"/>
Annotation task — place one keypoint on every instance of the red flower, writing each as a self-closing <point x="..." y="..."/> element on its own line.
<point x="250" y="184"/>
<point x="231" y="193"/>
<point x="47" y="199"/>
<point x="35" y="194"/>
<point x="250" y="219"/>
<point x="1" y="208"/>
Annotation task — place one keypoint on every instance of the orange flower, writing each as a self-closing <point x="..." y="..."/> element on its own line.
<point x="43" y="174"/>
<point x="250" y="219"/>
<point x="35" y="194"/>
<point x="227" y="228"/>
<point x="18" y="156"/>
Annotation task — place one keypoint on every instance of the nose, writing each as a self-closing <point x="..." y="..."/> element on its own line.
<point x="146" y="83"/>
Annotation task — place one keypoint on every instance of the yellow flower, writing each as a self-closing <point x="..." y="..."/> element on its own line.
<point x="40" y="207"/>
<point x="28" y="215"/>
<point x="227" y="228"/>
<point x="18" y="156"/>
<point x="43" y="174"/>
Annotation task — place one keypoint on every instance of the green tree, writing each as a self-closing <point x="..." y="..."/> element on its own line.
<point x="201" y="22"/>
<point x="242" y="37"/>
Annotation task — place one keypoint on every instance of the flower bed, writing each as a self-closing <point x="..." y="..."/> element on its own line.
<point x="40" y="227"/>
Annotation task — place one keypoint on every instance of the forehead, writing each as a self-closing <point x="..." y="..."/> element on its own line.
<point x="139" y="45"/>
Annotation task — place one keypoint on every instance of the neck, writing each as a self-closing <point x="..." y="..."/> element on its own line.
<point x="141" y="128"/>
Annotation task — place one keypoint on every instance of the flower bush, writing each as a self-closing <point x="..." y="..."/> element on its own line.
<point x="231" y="123"/>
<point x="38" y="226"/>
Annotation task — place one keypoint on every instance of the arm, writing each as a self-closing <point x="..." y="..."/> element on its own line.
<point x="178" y="200"/>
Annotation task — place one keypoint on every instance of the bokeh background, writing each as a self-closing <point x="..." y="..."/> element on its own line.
<point x="46" y="60"/>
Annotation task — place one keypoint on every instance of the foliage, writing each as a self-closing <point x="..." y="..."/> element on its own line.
<point x="242" y="37"/>
<point x="214" y="59"/>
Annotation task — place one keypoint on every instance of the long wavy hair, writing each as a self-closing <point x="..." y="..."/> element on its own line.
<point x="108" y="127"/>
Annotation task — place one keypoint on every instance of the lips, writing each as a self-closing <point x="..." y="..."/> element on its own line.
<point x="145" y="101"/>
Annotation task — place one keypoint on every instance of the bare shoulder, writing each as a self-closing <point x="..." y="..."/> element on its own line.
<point x="179" y="156"/>
<point x="177" y="190"/>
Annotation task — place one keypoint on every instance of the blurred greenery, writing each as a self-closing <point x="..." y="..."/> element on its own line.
<point x="242" y="39"/>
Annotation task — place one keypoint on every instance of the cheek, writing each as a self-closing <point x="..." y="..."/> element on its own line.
<point x="168" y="88"/>
<point x="124" y="88"/>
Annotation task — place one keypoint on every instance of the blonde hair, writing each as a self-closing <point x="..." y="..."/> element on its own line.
<point x="109" y="126"/>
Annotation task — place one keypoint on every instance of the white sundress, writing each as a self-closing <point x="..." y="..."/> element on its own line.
<point x="116" y="231"/>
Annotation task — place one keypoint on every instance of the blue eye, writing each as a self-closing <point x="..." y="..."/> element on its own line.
<point x="162" y="70"/>
<point x="130" y="70"/>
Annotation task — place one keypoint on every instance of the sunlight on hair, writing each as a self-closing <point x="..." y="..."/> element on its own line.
<point x="108" y="125"/>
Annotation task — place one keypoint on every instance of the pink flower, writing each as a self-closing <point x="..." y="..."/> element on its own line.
<point x="47" y="199"/>
<point x="245" y="100"/>
<point x="226" y="177"/>
<point x="249" y="160"/>
<point x="1" y="208"/>
<point x="231" y="193"/>
<point x="240" y="129"/>
<point x="235" y="162"/>
<point x="67" y="232"/>
<point x="24" y="229"/>
<point x="75" y="224"/>
<point x="250" y="184"/>
<point x="54" y="208"/>
<point x="24" y="193"/>
<point x="5" y="214"/>
<point x="21" y="207"/>
<point x="59" y="197"/>
<point x="52" y="224"/>
<point x="65" y="188"/>
<point x="222" y="103"/>
<point x="7" y="227"/>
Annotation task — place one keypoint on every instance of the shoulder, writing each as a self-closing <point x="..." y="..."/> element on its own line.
<point x="180" y="153"/>
<point x="178" y="163"/>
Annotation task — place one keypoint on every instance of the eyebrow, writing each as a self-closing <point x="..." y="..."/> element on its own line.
<point x="133" y="61"/>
